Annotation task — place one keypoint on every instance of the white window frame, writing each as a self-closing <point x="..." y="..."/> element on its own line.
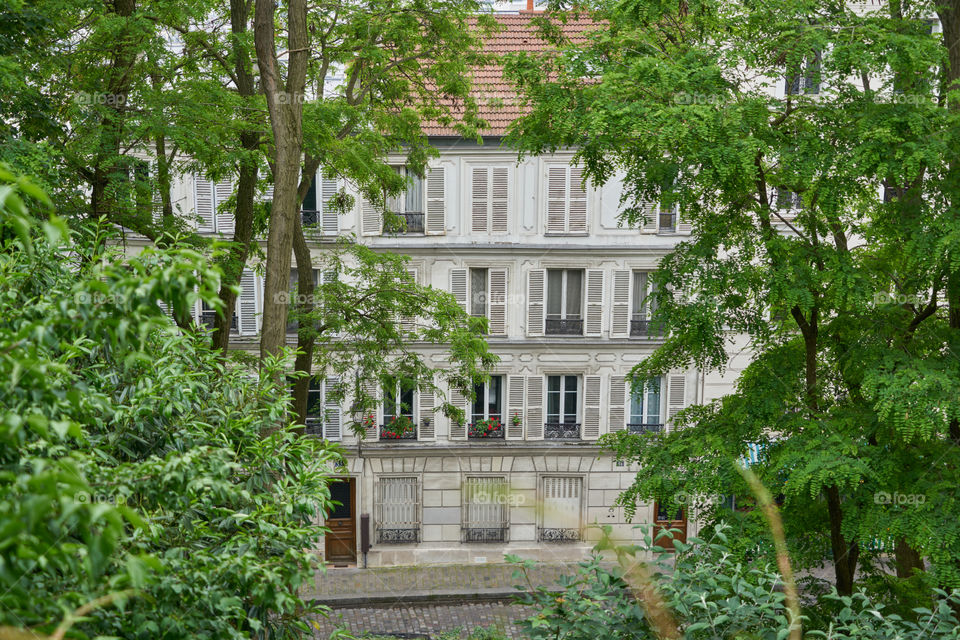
<point x="500" y="504"/>
<point x="563" y="293"/>
<point x="417" y="509"/>
<point x="579" y="392"/>
<point x="486" y="399"/>
<point x="544" y="511"/>
<point x="661" y="401"/>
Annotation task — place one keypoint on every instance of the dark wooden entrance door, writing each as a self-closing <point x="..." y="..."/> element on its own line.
<point x="666" y="518"/>
<point x="341" y="539"/>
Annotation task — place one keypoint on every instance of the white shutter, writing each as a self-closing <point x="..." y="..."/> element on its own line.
<point x="332" y="419"/>
<point x="514" y="408"/>
<point x="618" y="403"/>
<point x="370" y="218"/>
<point x="156" y="200"/>
<point x="247" y="304"/>
<point x="556" y="199"/>
<point x="427" y="428"/>
<point x="651" y="211"/>
<point x="676" y="394"/>
<point x="683" y="226"/>
<point x="436" y="216"/>
<point x="500" y="199"/>
<point x="225" y="216"/>
<point x="562" y="502"/>
<point x="203" y="203"/>
<point x="408" y="324"/>
<point x="620" y="311"/>
<point x="577" y="208"/>
<point x="536" y="293"/>
<point x="594" y="316"/>
<point x="534" y="420"/>
<point x="458" y="286"/>
<point x="497" y="301"/>
<point x="458" y="428"/>
<point x="591" y="407"/>
<point x="372" y="389"/>
<point x="480" y="200"/>
<point x="330" y="221"/>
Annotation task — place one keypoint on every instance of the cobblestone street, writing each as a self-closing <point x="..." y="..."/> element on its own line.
<point x="426" y="619"/>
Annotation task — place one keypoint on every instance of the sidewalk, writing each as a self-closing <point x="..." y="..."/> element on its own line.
<point x="389" y="585"/>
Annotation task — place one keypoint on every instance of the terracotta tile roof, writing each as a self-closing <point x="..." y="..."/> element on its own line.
<point x="499" y="103"/>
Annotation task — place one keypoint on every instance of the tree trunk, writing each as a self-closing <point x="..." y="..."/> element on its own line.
<point x="305" y="339"/>
<point x="285" y="108"/>
<point x="908" y="559"/>
<point x="844" y="556"/>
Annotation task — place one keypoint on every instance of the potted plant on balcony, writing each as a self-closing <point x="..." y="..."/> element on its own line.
<point x="515" y="419"/>
<point x="484" y="428"/>
<point x="397" y="427"/>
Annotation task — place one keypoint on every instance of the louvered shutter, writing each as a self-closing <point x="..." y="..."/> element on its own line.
<point x="562" y="504"/>
<point x="427" y="428"/>
<point x="332" y="419"/>
<point x="683" y="226"/>
<point x="458" y="286"/>
<point x="618" y="403"/>
<point x="203" y="203"/>
<point x="556" y="199"/>
<point x="408" y="324"/>
<point x="651" y="213"/>
<point x="436" y="216"/>
<point x="577" y="208"/>
<point x="676" y="394"/>
<point x="156" y="201"/>
<point x="497" y="301"/>
<point x="370" y="218"/>
<point x="534" y="420"/>
<point x="225" y="215"/>
<point x="330" y="221"/>
<point x="247" y="303"/>
<point x="372" y="431"/>
<point x="594" y="316"/>
<point x="591" y="407"/>
<point x="620" y="310"/>
<point x="514" y="407"/>
<point x="500" y="199"/>
<point x="458" y="428"/>
<point x="480" y="201"/>
<point x="536" y="284"/>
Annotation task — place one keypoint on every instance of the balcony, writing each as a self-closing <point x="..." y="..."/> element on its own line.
<point x="484" y="534"/>
<point x="313" y="427"/>
<point x="398" y="536"/>
<point x="391" y="432"/>
<point x="309" y="217"/>
<point x="561" y="430"/>
<point x="564" y="326"/>
<point x="550" y="534"/>
<point x="405" y="224"/>
<point x="635" y="427"/>
<point x="643" y="328"/>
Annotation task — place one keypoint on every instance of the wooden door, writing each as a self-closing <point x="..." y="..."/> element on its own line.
<point x="666" y="518"/>
<point x="341" y="539"/>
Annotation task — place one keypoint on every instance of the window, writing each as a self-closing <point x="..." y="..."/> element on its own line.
<point x="643" y="305"/>
<point x="487" y="411"/>
<point x="562" y="508"/>
<point x="398" y="415"/>
<point x="668" y="218"/>
<point x="398" y="510"/>
<point x="408" y="206"/>
<point x="490" y="199"/>
<point x="805" y="80"/>
<point x="292" y="324"/>
<point x="788" y="200"/>
<point x="484" y="509"/>
<point x="564" y="302"/>
<point x="645" y="410"/>
<point x="208" y="316"/>
<point x="562" y="407"/>
<point x="478" y="292"/>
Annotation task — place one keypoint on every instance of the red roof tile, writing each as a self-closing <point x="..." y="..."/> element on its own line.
<point x="498" y="98"/>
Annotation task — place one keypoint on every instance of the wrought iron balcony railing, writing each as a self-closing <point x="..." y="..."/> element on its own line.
<point x="412" y="223"/>
<point x="484" y="534"/>
<point x="479" y="432"/>
<point x="641" y="327"/>
<point x="561" y="430"/>
<point x="313" y="427"/>
<point x="398" y="536"/>
<point x="309" y="217"/>
<point x="564" y="326"/>
<point x="388" y="432"/>
<point x="552" y="534"/>
<point x="636" y="427"/>
<point x="668" y="222"/>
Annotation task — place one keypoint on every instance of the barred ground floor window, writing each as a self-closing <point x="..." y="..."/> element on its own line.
<point x="485" y="509"/>
<point x="398" y="510"/>
<point x="562" y="508"/>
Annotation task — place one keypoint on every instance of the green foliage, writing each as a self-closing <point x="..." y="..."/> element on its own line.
<point x="141" y="474"/>
<point x="709" y="594"/>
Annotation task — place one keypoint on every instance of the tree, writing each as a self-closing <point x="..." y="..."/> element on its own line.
<point x="772" y="129"/>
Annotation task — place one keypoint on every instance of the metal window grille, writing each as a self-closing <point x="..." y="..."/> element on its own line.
<point x="562" y="509"/>
<point x="398" y="510"/>
<point x="484" y="509"/>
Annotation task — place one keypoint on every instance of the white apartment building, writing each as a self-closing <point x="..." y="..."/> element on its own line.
<point x="566" y="290"/>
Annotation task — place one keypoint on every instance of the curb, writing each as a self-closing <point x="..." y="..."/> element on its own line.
<point x="415" y="597"/>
